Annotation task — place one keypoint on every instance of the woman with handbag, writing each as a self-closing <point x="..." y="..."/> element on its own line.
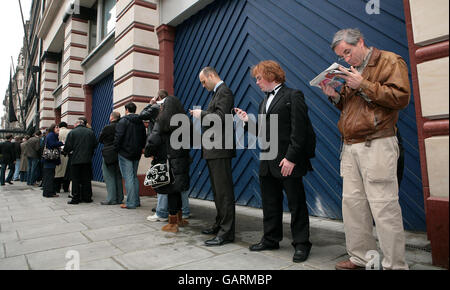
<point x="174" y="161"/>
<point x="51" y="157"/>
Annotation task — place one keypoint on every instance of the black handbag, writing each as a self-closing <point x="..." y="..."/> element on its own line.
<point x="110" y="155"/>
<point x="50" y="154"/>
<point x="158" y="175"/>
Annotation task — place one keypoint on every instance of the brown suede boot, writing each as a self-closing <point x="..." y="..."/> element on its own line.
<point x="181" y="222"/>
<point x="172" y="226"/>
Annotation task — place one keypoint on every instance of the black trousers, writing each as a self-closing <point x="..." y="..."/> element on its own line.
<point x="222" y="185"/>
<point x="48" y="184"/>
<point x="174" y="202"/>
<point x="272" y="201"/>
<point x="61" y="181"/>
<point x="81" y="182"/>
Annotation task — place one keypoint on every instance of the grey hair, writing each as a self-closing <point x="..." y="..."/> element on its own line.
<point x="115" y="115"/>
<point x="207" y="71"/>
<point x="349" y="35"/>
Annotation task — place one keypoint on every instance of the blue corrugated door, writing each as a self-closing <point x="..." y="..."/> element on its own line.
<point x="234" y="35"/>
<point x="102" y="106"/>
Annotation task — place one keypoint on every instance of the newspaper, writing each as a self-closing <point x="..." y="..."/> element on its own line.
<point x="330" y="77"/>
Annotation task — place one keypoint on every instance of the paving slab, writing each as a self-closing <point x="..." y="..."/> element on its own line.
<point x="56" y="258"/>
<point x="13" y="226"/>
<point x="108" y="233"/>
<point x="241" y="259"/>
<point x="162" y="257"/>
<point x="104" y="264"/>
<point x="37" y="215"/>
<point x="14" y="263"/>
<point x="44" y="243"/>
<point x="50" y="230"/>
<point x="8" y="237"/>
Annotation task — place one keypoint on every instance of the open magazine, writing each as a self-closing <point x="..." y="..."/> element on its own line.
<point x="330" y="77"/>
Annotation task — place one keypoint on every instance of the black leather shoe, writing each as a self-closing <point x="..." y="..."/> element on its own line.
<point x="301" y="255"/>
<point x="217" y="241"/>
<point x="73" y="202"/>
<point x="262" y="247"/>
<point x="210" y="231"/>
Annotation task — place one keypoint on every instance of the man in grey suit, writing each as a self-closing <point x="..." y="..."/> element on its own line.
<point x="218" y="157"/>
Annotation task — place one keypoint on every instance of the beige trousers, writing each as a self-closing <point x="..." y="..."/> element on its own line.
<point x="370" y="193"/>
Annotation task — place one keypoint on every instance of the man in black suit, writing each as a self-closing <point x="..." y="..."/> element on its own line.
<point x="218" y="157"/>
<point x="285" y="171"/>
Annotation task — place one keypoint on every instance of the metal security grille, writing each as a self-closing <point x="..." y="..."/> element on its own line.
<point x="102" y="106"/>
<point x="234" y="35"/>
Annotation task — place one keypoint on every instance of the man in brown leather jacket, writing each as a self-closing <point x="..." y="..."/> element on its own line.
<point x="375" y="89"/>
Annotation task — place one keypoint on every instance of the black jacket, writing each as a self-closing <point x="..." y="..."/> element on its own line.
<point x="289" y="105"/>
<point x="220" y="105"/>
<point x="130" y="137"/>
<point x="81" y="143"/>
<point x="8" y="152"/>
<point x="107" y="139"/>
<point x="158" y="146"/>
<point x="149" y="113"/>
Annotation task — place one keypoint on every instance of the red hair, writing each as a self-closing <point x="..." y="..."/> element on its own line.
<point x="270" y="71"/>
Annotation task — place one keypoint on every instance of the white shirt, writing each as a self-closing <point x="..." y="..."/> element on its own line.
<point x="272" y="96"/>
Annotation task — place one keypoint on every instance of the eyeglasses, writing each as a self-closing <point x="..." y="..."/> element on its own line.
<point x="347" y="52"/>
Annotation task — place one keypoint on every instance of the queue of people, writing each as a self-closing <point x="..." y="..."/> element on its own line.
<point x="375" y="90"/>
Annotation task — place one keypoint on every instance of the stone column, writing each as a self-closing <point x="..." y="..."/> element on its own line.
<point x="75" y="50"/>
<point x="136" y="68"/>
<point x="166" y="38"/>
<point x="428" y="42"/>
<point x="49" y="82"/>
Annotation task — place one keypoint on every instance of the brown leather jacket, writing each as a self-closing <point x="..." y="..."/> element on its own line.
<point x="386" y="84"/>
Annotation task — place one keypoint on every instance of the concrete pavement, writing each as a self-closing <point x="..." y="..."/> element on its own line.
<point x="48" y="233"/>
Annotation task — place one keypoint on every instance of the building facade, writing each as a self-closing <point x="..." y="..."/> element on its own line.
<point x="17" y="85"/>
<point x="92" y="57"/>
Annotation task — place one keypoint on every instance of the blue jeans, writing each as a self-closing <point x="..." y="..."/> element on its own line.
<point x="113" y="180"/>
<point x="163" y="204"/>
<point x="129" y="168"/>
<point x="32" y="174"/>
<point x="16" y="172"/>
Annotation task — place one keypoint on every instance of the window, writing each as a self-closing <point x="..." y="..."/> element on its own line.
<point x="60" y="69"/>
<point x="109" y="17"/>
<point x="92" y="34"/>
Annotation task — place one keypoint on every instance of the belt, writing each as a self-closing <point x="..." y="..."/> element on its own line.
<point x="388" y="132"/>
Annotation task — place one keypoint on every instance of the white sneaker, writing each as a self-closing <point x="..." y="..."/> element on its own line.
<point x="156" y="218"/>
<point x="186" y="216"/>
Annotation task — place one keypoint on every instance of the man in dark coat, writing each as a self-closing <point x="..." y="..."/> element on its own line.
<point x="219" y="159"/>
<point x="285" y="171"/>
<point x="81" y="143"/>
<point x="32" y="153"/>
<point x="8" y="159"/>
<point x="129" y="141"/>
<point x="110" y="164"/>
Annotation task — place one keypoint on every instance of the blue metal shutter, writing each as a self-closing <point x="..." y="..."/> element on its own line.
<point x="102" y="106"/>
<point x="234" y="35"/>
